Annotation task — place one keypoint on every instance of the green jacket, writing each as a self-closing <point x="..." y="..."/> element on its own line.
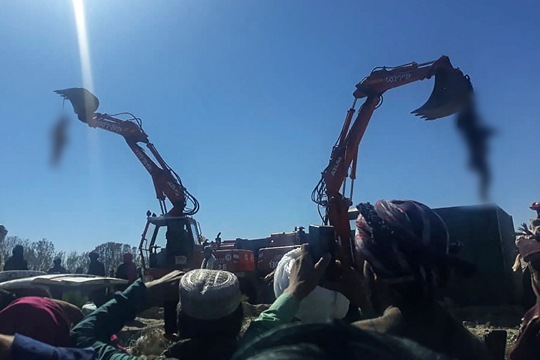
<point x="97" y="328"/>
<point x="282" y="312"/>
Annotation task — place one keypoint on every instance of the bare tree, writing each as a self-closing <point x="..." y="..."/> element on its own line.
<point x="40" y="254"/>
<point x="75" y="260"/>
<point x="3" y="234"/>
<point x="111" y="254"/>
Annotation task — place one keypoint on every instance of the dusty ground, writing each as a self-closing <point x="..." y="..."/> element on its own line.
<point x="144" y="335"/>
<point x="482" y="320"/>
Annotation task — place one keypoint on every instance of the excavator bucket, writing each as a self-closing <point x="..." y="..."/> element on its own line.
<point x="452" y="91"/>
<point x="84" y="102"/>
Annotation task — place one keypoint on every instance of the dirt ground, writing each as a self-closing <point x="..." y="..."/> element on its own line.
<point x="482" y="320"/>
<point x="144" y="335"/>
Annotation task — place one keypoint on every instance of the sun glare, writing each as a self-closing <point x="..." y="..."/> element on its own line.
<point x="88" y="83"/>
<point x="84" y="50"/>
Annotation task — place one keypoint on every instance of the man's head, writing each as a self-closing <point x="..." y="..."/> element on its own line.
<point x="38" y="318"/>
<point x="405" y="245"/>
<point x="128" y="258"/>
<point x="18" y="250"/>
<point x="209" y="304"/>
<point x="93" y="255"/>
<point x="536" y="207"/>
<point x="57" y="261"/>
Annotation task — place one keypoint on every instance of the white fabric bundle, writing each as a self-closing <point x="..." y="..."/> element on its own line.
<point x="322" y="305"/>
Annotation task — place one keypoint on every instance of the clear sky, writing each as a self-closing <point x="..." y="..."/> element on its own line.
<point x="244" y="99"/>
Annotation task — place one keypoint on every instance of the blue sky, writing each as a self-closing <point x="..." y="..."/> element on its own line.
<point x="244" y="99"/>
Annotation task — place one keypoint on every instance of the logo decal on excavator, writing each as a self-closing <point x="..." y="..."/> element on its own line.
<point x="174" y="188"/>
<point x="335" y="168"/>
<point x="147" y="165"/>
<point x="397" y="78"/>
<point x="112" y="127"/>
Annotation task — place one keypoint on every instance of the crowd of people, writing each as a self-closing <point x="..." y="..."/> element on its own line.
<point x="386" y="306"/>
<point x="127" y="270"/>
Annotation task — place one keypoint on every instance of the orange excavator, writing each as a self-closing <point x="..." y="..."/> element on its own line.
<point x="175" y="226"/>
<point x="452" y="93"/>
<point x="251" y="259"/>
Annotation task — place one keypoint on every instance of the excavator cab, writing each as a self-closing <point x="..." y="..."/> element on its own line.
<point x="170" y="243"/>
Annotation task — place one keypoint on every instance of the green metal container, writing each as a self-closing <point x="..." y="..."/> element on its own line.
<point x="487" y="233"/>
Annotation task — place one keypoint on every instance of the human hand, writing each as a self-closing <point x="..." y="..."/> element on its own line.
<point x="349" y="282"/>
<point x="165" y="288"/>
<point x="304" y="275"/>
<point x="269" y="278"/>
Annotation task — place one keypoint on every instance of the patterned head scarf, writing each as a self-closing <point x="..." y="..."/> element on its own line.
<point x="402" y="240"/>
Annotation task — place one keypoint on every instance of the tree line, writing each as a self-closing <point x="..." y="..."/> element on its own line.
<point x="41" y="254"/>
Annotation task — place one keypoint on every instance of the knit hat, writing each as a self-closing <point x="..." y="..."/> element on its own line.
<point x="209" y="294"/>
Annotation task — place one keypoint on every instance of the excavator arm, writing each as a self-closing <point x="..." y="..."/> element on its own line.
<point x="451" y="94"/>
<point x="167" y="184"/>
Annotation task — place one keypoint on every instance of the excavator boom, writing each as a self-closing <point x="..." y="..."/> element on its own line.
<point x="182" y="231"/>
<point x="451" y="94"/>
<point x="167" y="183"/>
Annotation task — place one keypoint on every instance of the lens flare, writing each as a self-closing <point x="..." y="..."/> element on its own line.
<point x="88" y="83"/>
<point x="84" y="50"/>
